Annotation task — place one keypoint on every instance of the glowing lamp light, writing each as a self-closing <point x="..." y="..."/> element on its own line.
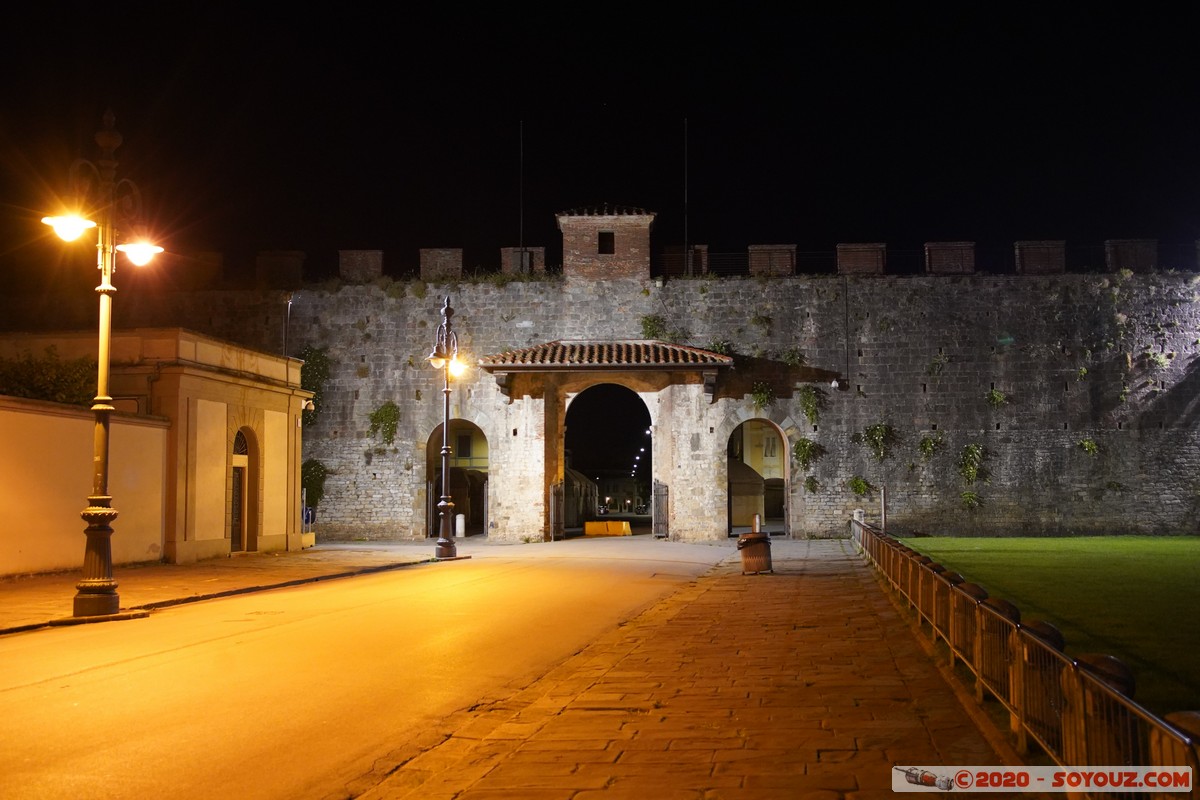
<point x="139" y="253"/>
<point x="457" y="367"/>
<point x="118" y="202"/>
<point x="69" y="227"/>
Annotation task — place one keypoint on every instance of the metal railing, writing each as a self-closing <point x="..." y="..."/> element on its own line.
<point x="1075" y="710"/>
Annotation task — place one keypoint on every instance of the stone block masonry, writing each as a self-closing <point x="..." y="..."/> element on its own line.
<point x="1075" y="387"/>
<point x="1075" y="390"/>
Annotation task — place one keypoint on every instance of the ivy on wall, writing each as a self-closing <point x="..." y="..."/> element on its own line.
<point x="763" y="395"/>
<point x="812" y="402"/>
<point x="313" y="376"/>
<point x="312" y="480"/>
<point x="48" y="377"/>
<point x="807" y="452"/>
<point x="929" y="445"/>
<point x="860" y="486"/>
<point x="384" y="421"/>
<point x="878" y="438"/>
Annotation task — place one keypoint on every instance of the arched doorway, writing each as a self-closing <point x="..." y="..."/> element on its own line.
<point x="608" y="457"/>
<point x="468" y="478"/>
<point x="757" y="459"/>
<point x="243" y="493"/>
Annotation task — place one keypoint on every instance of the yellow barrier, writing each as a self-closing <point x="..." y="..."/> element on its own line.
<point x="607" y="528"/>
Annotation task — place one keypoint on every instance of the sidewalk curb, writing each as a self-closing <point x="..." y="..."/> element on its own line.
<point x="145" y="609"/>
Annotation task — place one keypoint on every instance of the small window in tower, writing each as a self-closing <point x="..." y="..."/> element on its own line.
<point x="464" y="445"/>
<point x="607" y="242"/>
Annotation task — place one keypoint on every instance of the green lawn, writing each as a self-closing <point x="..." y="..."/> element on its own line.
<point x="1133" y="597"/>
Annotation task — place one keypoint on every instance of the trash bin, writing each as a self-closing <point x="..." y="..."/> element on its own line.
<point x="756" y="552"/>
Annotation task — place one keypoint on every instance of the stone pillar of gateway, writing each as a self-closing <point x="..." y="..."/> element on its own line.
<point x="689" y="434"/>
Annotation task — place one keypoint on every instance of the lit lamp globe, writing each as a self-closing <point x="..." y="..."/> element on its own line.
<point x="69" y="227"/>
<point x="139" y="253"/>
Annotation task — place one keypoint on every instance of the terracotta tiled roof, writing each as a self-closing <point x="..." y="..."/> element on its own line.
<point x="629" y="354"/>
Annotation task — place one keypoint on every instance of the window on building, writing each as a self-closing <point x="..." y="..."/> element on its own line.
<point x="769" y="444"/>
<point x="464" y="445"/>
<point x="607" y="242"/>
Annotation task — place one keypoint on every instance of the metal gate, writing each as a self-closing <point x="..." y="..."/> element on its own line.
<point x="432" y="518"/>
<point x="558" y="529"/>
<point x="659" y="511"/>
<point x="237" y="515"/>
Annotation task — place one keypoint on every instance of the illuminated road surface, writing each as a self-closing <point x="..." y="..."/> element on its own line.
<point x="300" y="692"/>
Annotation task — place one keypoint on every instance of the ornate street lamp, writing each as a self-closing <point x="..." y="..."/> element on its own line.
<point x="110" y="201"/>
<point x="445" y="358"/>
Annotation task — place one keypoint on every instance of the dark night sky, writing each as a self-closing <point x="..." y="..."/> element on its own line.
<point x="347" y="130"/>
<point x="358" y="127"/>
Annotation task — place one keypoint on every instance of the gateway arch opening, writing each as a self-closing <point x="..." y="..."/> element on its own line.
<point x="757" y="457"/>
<point x="468" y="478"/>
<point x="608" y="458"/>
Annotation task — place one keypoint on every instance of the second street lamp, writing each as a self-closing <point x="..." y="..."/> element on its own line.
<point x="95" y="184"/>
<point x="445" y="357"/>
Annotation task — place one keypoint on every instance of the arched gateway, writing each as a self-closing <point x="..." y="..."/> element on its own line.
<point x="695" y="400"/>
<point x="667" y="377"/>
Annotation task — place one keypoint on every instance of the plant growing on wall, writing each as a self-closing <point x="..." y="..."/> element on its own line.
<point x="49" y="377"/>
<point x="721" y="346"/>
<point x="860" y="486"/>
<point x="763" y="395"/>
<point x="762" y="322"/>
<point x="313" y="375"/>
<point x="937" y="364"/>
<point x="878" y="438"/>
<point x="807" y="452"/>
<point x="384" y="420"/>
<point x="793" y="357"/>
<point x="971" y="500"/>
<point x="996" y="398"/>
<point x="970" y="464"/>
<point x="812" y="485"/>
<point x="1089" y="446"/>
<point x="653" y="327"/>
<point x="812" y="402"/>
<point x="1157" y="361"/>
<point x="929" y="445"/>
<point x="312" y="480"/>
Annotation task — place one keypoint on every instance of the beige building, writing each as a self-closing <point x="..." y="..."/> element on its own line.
<point x="204" y="451"/>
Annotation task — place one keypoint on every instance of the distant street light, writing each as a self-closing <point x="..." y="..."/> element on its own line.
<point x="95" y="186"/>
<point x="445" y="358"/>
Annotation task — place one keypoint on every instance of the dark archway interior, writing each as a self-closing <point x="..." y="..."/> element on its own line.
<point x="608" y="441"/>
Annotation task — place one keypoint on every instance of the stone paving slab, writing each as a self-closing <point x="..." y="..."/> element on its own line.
<point x="808" y="682"/>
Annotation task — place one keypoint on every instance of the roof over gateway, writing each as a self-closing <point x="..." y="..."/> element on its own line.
<point x="604" y="355"/>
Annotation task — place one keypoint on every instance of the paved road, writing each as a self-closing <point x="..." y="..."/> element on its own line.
<point x="297" y="692"/>
<point x="705" y="684"/>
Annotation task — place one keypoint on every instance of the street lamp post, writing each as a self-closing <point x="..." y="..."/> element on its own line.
<point x="96" y="185"/>
<point x="445" y="358"/>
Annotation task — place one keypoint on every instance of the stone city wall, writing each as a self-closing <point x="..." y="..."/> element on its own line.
<point x="1079" y="389"/>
